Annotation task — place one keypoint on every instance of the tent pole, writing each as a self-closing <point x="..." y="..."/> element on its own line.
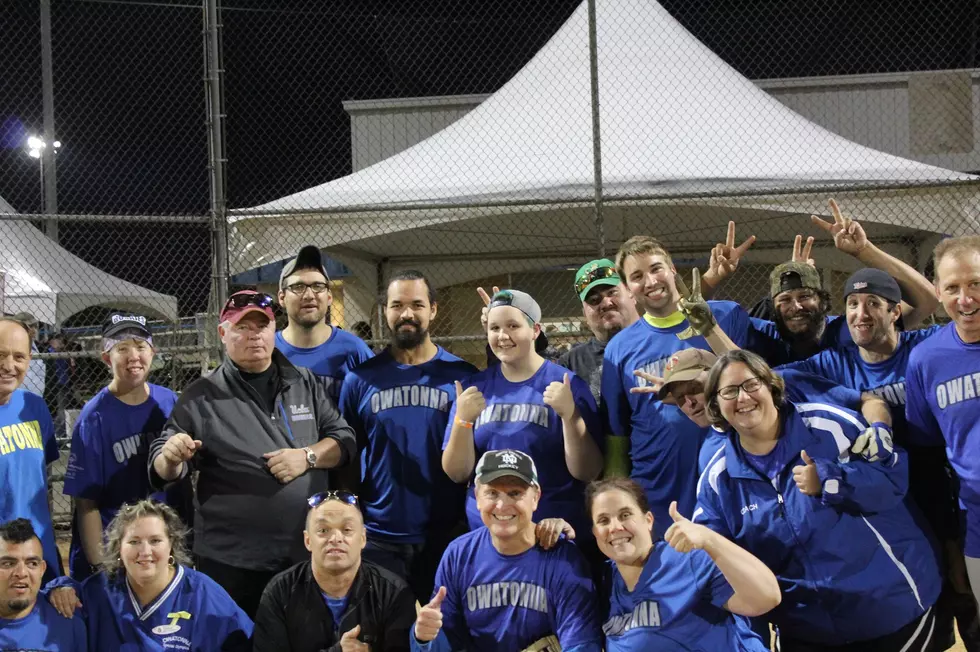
<point x="600" y="227"/>
<point x="49" y="174"/>
<point x="216" y="153"/>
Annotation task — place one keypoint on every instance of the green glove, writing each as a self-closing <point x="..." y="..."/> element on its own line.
<point x="695" y="308"/>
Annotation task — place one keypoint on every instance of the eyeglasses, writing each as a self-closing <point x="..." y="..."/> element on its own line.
<point x="748" y="386"/>
<point x="594" y="275"/>
<point x="242" y="300"/>
<point x="343" y="496"/>
<point x="299" y="289"/>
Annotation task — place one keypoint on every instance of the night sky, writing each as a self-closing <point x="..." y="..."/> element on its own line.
<point x="130" y="97"/>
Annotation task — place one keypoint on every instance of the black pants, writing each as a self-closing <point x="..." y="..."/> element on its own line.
<point x="917" y="636"/>
<point x="243" y="585"/>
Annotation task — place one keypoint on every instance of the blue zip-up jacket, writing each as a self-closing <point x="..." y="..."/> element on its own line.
<point x="851" y="563"/>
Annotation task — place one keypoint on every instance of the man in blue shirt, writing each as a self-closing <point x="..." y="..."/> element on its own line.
<point x="398" y="404"/>
<point x="27" y="443"/>
<point x="27" y="623"/>
<point x="308" y="339"/>
<point x="943" y="383"/>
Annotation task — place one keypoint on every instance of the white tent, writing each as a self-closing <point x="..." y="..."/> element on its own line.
<point x="687" y="144"/>
<point x="45" y="280"/>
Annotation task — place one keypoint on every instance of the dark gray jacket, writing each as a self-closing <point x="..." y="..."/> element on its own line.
<point x="243" y="516"/>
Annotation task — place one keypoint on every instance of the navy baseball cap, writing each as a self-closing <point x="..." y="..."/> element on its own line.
<point x="120" y="327"/>
<point x="503" y="463"/>
<point x="873" y="281"/>
<point x="308" y="258"/>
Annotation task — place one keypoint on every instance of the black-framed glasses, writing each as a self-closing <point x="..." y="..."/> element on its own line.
<point x="748" y="386"/>
<point x="594" y="275"/>
<point x="299" y="289"/>
<point x="345" y="497"/>
<point x="242" y="300"/>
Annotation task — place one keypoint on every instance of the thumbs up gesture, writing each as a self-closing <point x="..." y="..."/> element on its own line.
<point x="429" y="621"/>
<point x="469" y="403"/>
<point x="349" y="642"/>
<point x="685" y="535"/>
<point x="806" y="477"/>
<point x="559" y="396"/>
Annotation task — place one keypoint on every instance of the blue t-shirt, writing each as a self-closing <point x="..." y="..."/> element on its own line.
<point x="886" y="379"/>
<point x="44" y="630"/>
<point x="337" y="606"/>
<point x="330" y="361"/>
<point x="679" y="599"/>
<point x="400" y="413"/>
<point x="777" y="351"/>
<point x="506" y="602"/>
<point x="27" y="446"/>
<point x="109" y="449"/>
<point x="664" y="443"/>
<point x="516" y="417"/>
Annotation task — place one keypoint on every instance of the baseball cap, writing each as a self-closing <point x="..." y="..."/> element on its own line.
<point x="246" y="301"/>
<point x="120" y="327"/>
<point x="682" y="366"/>
<point x="873" y="281"/>
<point x="595" y="273"/>
<point x="793" y="276"/>
<point x="308" y="258"/>
<point x="517" y="299"/>
<point x="499" y="464"/>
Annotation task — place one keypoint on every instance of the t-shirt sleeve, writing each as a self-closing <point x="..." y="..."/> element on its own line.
<point x="586" y="405"/>
<point x="452" y="418"/>
<point x="804" y="387"/>
<point x="576" y="611"/>
<point x="614" y="394"/>
<point x="361" y="353"/>
<point x="226" y="624"/>
<point x="46" y="426"/>
<point x="738" y="326"/>
<point x="83" y="475"/>
<point x="350" y="395"/>
<point x="709" y="579"/>
<point x="453" y="622"/>
<point x="923" y="429"/>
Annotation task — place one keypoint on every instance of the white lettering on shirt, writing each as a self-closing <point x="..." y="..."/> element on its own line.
<point x="645" y="614"/>
<point x="514" y="413"/>
<point x="957" y="390"/>
<point x="507" y="594"/>
<point x="410" y="396"/>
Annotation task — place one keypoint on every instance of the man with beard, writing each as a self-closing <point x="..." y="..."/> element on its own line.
<point x="27" y="623"/>
<point x="801" y="325"/>
<point x="308" y="340"/>
<point x="398" y="404"/>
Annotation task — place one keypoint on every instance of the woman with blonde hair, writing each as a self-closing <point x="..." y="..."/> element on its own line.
<point x="146" y="596"/>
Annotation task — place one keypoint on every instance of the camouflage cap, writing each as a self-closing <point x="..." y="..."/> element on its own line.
<point x="792" y="276"/>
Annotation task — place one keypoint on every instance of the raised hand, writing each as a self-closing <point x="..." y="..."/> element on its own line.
<point x="806" y="477"/>
<point x="429" y="621"/>
<point x="349" y="642"/>
<point x="685" y="535"/>
<point x="801" y="252"/>
<point x="725" y="257"/>
<point x="469" y="403"/>
<point x="694" y="307"/>
<point x="486" y="304"/>
<point x="548" y="530"/>
<point x="654" y="383"/>
<point x="848" y="235"/>
<point x="559" y="396"/>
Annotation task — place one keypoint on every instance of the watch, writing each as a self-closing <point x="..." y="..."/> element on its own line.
<point x="310" y="457"/>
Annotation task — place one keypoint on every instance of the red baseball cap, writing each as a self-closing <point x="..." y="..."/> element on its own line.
<point x="244" y="302"/>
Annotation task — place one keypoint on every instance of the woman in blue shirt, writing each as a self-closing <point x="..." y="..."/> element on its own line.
<point x="815" y="494"/>
<point x="528" y="404"/>
<point x="680" y="593"/>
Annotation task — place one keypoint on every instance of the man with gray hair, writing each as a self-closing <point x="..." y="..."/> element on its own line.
<point x="261" y="433"/>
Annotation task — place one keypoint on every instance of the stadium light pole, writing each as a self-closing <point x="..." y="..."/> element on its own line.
<point x="38" y="149"/>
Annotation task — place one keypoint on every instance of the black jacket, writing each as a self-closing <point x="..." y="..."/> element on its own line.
<point x="243" y="516"/>
<point x="293" y="617"/>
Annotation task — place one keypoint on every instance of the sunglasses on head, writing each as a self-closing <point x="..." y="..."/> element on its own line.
<point x="242" y="300"/>
<point x="594" y="275"/>
<point x="345" y="497"/>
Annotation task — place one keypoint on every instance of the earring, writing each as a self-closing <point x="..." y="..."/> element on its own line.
<point x="173" y="562"/>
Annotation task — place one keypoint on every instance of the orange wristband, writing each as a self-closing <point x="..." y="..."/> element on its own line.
<point x="465" y="424"/>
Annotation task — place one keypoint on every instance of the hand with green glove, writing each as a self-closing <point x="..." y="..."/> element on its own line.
<point x="695" y="308"/>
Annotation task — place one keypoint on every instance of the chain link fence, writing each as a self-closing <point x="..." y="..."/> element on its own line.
<point x="486" y="143"/>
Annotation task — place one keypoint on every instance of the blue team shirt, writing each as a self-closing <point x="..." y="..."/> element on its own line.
<point x="664" y="443"/>
<point x="400" y="413"/>
<point x="678" y="598"/>
<point x="192" y="614"/>
<point x="506" y="602"/>
<point x="778" y="352"/>
<point x="109" y="450"/>
<point x="332" y="360"/>
<point x="44" y="630"/>
<point x="27" y="446"/>
<point x="516" y="417"/>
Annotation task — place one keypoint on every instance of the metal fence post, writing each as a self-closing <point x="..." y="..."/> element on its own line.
<point x="600" y="227"/>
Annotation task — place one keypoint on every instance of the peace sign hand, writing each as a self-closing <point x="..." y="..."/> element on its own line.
<point x="725" y="257"/>
<point x="801" y="252"/>
<point x="694" y="307"/>
<point x="849" y="236"/>
<point x="486" y="304"/>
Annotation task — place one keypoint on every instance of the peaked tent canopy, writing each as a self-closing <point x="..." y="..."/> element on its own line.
<point x="687" y="143"/>
<point x="52" y="284"/>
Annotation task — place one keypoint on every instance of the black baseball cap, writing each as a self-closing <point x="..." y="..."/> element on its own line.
<point x="503" y="463"/>
<point x="308" y="258"/>
<point x="118" y="323"/>
<point x="873" y="281"/>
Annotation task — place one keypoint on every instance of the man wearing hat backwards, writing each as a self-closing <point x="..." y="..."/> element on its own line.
<point x="111" y="439"/>
<point x="497" y="589"/>
<point x="261" y="434"/>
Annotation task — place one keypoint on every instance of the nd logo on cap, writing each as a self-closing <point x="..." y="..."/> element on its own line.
<point x="509" y="458"/>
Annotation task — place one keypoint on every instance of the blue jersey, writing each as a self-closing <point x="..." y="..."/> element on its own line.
<point x="516" y="417"/>
<point x="506" y="602"/>
<point x="332" y="360"/>
<point x="192" y="614"/>
<point x="27" y="446"/>
<point x="400" y="413"/>
<point x="678" y="598"/>
<point x="109" y="448"/>
<point x="852" y="563"/>
<point x="777" y="351"/>
<point x="664" y="443"/>
<point x="44" y="630"/>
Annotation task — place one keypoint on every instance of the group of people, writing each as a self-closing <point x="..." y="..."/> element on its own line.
<point x="691" y="477"/>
